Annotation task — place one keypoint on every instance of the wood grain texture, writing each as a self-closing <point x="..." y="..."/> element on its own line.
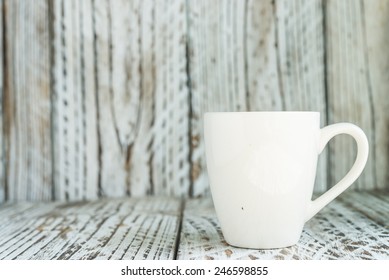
<point x="376" y="21"/>
<point x="2" y="151"/>
<point x="353" y="227"/>
<point x="75" y="141"/>
<point x="351" y="63"/>
<point x="27" y="100"/>
<point x="150" y="102"/>
<point x="171" y="118"/>
<point x="337" y="232"/>
<point x="121" y="101"/>
<point x="106" y="98"/>
<point x="284" y="56"/>
<point x="105" y="229"/>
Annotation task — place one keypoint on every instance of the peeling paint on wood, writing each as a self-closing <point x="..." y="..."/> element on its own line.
<point x="2" y="161"/>
<point x="75" y="138"/>
<point x="105" y="229"/>
<point x="148" y="228"/>
<point x="356" y="57"/>
<point x="27" y="101"/>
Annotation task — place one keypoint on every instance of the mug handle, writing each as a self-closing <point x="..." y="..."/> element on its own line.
<point x="326" y="134"/>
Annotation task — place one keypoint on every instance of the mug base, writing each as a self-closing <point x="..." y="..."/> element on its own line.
<point x="262" y="246"/>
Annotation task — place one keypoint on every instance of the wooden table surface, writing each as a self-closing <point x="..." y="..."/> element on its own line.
<point x="354" y="226"/>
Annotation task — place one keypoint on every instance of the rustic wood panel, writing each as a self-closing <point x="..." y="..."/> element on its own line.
<point x="105" y="229"/>
<point x="75" y="138"/>
<point x="376" y="21"/>
<point x="154" y="90"/>
<point x="171" y="116"/>
<point x="337" y="232"/>
<point x="263" y="63"/>
<point x="354" y="56"/>
<point x="374" y="206"/>
<point x="121" y="99"/>
<point x="2" y="159"/>
<point x="352" y="227"/>
<point x="112" y="145"/>
<point x="141" y="163"/>
<point x="106" y="98"/>
<point x="27" y="107"/>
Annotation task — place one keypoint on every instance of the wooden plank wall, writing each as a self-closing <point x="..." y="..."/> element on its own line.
<point x="105" y="98"/>
<point x="27" y="100"/>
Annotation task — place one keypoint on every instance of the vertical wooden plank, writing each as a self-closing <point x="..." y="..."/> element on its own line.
<point x="75" y="141"/>
<point x="115" y="143"/>
<point x="376" y="15"/>
<point x="285" y="61"/>
<point x="140" y="162"/>
<point x="27" y="100"/>
<point x="171" y="112"/>
<point x="216" y="70"/>
<point x="2" y="160"/>
<point x="142" y="97"/>
<point x="300" y="53"/>
<point x="264" y="84"/>
<point x="349" y="83"/>
<point x="113" y="147"/>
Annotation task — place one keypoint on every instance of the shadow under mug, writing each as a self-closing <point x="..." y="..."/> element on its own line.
<point x="262" y="168"/>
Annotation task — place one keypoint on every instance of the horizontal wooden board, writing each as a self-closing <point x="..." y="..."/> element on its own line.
<point x="339" y="231"/>
<point x="106" y="229"/>
<point x="355" y="226"/>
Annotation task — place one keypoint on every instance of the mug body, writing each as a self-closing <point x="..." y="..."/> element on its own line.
<point x="261" y="167"/>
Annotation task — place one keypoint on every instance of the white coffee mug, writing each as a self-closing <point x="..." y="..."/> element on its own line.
<point x="262" y="168"/>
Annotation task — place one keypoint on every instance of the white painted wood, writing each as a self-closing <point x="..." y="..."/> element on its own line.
<point x="285" y="56"/>
<point x="75" y="138"/>
<point x="107" y="229"/>
<point x="125" y="111"/>
<point x="216" y="72"/>
<point x="2" y="151"/>
<point x="337" y="232"/>
<point x="349" y="83"/>
<point x="171" y="115"/>
<point x="141" y="153"/>
<point x="27" y="108"/>
<point x="376" y="15"/>
<point x="106" y="98"/>
<point x="352" y="227"/>
<point x="111" y="158"/>
<point x="370" y="204"/>
<point x="264" y="82"/>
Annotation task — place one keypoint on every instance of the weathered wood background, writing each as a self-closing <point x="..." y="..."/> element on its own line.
<point x="105" y="98"/>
